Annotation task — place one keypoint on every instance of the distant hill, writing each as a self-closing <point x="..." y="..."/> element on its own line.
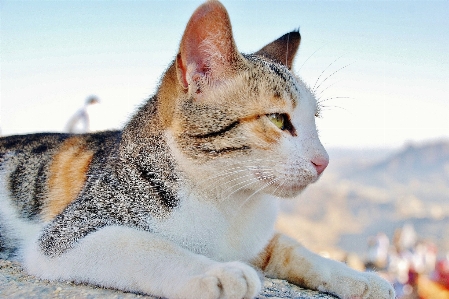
<point x="364" y="192"/>
<point x="425" y="163"/>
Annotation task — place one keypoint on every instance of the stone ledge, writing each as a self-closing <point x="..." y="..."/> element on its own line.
<point x="15" y="284"/>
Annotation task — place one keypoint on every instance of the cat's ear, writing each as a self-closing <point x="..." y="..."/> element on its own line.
<point x="207" y="52"/>
<point x="282" y="50"/>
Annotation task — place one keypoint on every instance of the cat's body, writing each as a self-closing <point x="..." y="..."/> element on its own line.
<point x="183" y="200"/>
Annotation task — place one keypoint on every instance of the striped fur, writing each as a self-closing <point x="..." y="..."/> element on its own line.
<point x="182" y="202"/>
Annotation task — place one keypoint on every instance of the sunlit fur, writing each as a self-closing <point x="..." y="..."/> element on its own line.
<point x="182" y="202"/>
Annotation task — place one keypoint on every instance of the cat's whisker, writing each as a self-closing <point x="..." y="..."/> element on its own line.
<point x="333" y="106"/>
<point x="332" y="98"/>
<point x="250" y="164"/>
<point x="236" y="182"/>
<point x="321" y="74"/>
<point x="228" y="171"/>
<point x="252" y="180"/>
<point x="235" y="170"/>
<point x="326" y="88"/>
<point x="249" y="174"/>
<point x="274" y="191"/>
<point x="259" y="190"/>
<point x="249" y="197"/>
<point x="311" y="56"/>
<point x="281" y="188"/>
<point x="225" y="174"/>
<point x="314" y="89"/>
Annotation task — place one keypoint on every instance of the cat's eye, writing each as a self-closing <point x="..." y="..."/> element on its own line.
<point x="278" y="120"/>
<point x="282" y="121"/>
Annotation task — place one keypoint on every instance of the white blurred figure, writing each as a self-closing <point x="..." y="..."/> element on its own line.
<point x="79" y="123"/>
<point x="378" y="250"/>
<point x="408" y="237"/>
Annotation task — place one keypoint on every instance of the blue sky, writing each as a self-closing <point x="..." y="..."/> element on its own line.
<point x="383" y="65"/>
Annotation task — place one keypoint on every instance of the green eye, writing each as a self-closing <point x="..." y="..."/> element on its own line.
<point x="282" y="121"/>
<point x="278" y="120"/>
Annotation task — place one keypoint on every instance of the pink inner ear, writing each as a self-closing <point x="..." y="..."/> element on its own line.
<point x="207" y="43"/>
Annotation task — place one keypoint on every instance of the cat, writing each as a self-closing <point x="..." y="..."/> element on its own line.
<point x="182" y="202"/>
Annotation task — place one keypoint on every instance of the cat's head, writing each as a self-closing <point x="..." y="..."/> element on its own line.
<point x="239" y="122"/>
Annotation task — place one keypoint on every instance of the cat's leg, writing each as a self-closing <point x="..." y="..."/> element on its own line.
<point x="139" y="261"/>
<point x="285" y="258"/>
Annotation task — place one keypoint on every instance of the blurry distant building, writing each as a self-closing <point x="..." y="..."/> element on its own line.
<point x="80" y="123"/>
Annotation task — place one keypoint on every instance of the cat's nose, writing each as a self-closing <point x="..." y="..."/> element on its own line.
<point x="320" y="163"/>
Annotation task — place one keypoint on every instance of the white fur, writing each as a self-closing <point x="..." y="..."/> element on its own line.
<point x="224" y="231"/>
<point x="134" y="260"/>
<point x="17" y="229"/>
<point x="337" y="278"/>
<point x="303" y="119"/>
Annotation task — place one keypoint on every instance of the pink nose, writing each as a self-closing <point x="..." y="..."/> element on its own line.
<point x="320" y="164"/>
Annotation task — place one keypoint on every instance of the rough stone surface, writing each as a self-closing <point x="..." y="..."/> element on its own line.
<point x="15" y="284"/>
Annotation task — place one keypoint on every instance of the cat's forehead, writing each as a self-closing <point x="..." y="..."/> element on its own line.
<point x="276" y="77"/>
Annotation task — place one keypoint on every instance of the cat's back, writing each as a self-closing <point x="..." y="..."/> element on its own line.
<point x="37" y="170"/>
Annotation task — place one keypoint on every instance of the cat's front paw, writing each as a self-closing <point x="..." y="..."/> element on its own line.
<point x="379" y="288"/>
<point x="233" y="280"/>
<point x="355" y="285"/>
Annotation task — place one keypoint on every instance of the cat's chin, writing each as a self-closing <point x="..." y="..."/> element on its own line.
<point x="287" y="187"/>
<point x="287" y="190"/>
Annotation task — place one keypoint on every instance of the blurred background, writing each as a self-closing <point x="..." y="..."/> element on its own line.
<point x="380" y="69"/>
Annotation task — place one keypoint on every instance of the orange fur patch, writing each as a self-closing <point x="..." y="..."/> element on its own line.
<point x="265" y="256"/>
<point x="279" y="260"/>
<point x="168" y="91"/>
<point x="67" y="175"/>
<point x="268" y="135"/>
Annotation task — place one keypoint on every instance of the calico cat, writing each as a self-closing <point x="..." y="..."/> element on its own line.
<point x="182" y="202"/>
